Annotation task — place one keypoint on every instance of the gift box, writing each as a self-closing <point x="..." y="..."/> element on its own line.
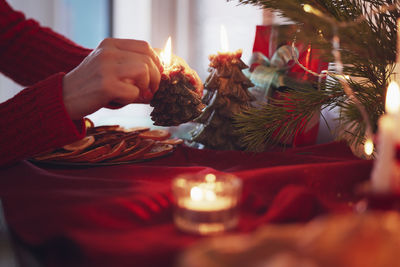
<point x="273" y="64"/>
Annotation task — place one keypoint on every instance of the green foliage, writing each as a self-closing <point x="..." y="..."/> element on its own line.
<point x="278" y="120"/>
<point x="368" y="52"/>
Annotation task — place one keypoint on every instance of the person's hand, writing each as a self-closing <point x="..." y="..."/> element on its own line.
<point x="118" y="72"/>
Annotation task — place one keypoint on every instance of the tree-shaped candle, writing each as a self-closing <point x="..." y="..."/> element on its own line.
<point x="178" y="99"/>
<point x="227" y="94"/>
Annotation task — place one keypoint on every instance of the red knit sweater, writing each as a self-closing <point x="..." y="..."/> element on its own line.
<point x="35" y="120"/>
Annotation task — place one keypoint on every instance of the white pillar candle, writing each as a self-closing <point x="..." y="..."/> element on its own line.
<point x="388" y="137"/>
<point x="396" y="70"/>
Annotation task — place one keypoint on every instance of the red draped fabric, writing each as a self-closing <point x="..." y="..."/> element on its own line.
<point x="122" y="215"/>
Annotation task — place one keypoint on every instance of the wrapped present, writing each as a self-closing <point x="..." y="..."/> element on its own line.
<point x="274" y="68"/>
<point x="269" y="74"/>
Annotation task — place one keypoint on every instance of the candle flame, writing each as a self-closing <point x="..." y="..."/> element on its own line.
<point x="196" y="193"/>
<point x="393" y="98"/>
<point x="210" y="195"/>
<point x="210" y="178"/>
<point x="199" y="193"/>
<point x="166" y="53"/>
<point x="224" y="39"/>
<point x="369" y="147"/>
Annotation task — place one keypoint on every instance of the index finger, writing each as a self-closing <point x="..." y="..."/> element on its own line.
<point x="139" y="46"/>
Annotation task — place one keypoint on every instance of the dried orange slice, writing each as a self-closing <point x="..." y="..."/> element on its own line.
<point x="131" y="144"/>
<point x="137" y="129"/>
<point x="103" y="128"/>
<point x="173" y="141"/>
<point x="158" y="150"/>
<point x="144" y="146"/>
<point x="112" y="143"/>
<point x="80" y="144"/>
<point x="115" y="151"/>
<point x="91" y="154"/>
<point x="157" y="135"/>
<point x="111" y="138"/>
<point x="130" y="135"/>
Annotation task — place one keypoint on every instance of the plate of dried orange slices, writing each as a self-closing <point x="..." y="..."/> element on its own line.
<point x="112" y="145"/>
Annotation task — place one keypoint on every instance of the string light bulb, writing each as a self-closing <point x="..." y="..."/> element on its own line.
<point x="368" y="147"/>
<point x="310" y="9"/>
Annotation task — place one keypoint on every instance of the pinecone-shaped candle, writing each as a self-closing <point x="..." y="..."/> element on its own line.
<point x="227" y="94"/>
<point x="177" y="99"/>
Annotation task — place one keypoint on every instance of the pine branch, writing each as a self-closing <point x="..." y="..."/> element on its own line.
<point x="373" y="37"/>
<point x="368" y="50"/>
<point x="277" y="121"/>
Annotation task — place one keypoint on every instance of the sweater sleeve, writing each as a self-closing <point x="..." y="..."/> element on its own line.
<point x="30" y="53"/>
<point x="35" y="120"/>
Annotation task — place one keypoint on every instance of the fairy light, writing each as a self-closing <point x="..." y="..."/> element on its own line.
<point x="307" y="8"/>
<point x="310" y="9"/>
<point x="369" y="147"/>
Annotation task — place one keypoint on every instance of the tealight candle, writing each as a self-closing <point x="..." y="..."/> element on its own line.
<point x="206" y="204"/>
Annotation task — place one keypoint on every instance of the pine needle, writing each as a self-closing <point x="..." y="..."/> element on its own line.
<point x="368" y="51"/>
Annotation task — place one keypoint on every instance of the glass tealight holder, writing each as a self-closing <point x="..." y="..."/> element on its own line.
<point x="206" y="203"/>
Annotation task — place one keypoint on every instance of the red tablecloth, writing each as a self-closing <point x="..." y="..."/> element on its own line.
<point x="122" y="215"/>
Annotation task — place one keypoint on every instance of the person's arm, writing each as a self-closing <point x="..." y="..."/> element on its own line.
<point x="35" y="120"/>
<point x="48" y="114"/>
<point x="30" y="53"/>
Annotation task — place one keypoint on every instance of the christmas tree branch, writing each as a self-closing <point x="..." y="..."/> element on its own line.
<point x="367" y="31"/>
<point x="279" y="120"/>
